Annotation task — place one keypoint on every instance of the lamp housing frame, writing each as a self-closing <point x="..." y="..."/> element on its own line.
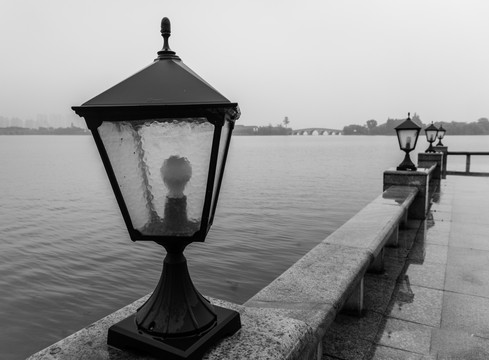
<point x="216" y="114"/>
<point x="407" y="125"/>
<point x="431" y="133"/>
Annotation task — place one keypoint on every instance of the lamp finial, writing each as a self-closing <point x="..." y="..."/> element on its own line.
<point x="166" y="52"/>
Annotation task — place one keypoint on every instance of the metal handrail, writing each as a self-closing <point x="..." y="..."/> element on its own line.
<point x="467" y="155"/>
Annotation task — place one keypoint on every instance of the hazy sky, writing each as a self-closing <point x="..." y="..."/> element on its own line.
<point x="321" y="63"/>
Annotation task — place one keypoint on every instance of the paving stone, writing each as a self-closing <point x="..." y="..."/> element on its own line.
<point x="416" y="304"/>
<point x="377" y="294"/>
<point x="468" y="271"/>
<point x="473" y="236"/>
<point x="343" y="347"/>
<point x="465" y="212"/>
<point x="438" y="234"/>
<point x="406" y="335"/>
<point x="430" y="275"/>
<point x="363" y="327"/>
<point x="442" y="215"/>
<point x="453" y="344"/>
<point x="466" y="313"/>
<point x="421" y="253"/>
<point x="388" y="353"/>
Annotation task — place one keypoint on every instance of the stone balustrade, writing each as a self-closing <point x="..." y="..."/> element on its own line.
<point x="289" y="317"/>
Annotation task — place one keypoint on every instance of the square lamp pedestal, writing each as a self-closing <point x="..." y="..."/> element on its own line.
<point x="125" y="335"/>
<point x="419" y="179"/>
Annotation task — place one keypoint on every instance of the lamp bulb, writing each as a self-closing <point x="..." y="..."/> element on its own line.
<point x="408" y="143"/>
<point x="176" y="171"/>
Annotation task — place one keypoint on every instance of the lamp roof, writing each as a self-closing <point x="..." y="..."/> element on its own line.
<point x="431" y="128"/>
<point x="167" y="81"/>
<point x="408" y="124"/>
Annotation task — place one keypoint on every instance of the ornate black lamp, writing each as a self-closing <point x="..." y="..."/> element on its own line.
<point x="431" y="133"/>
<point x="163" y="135"/>
<point x="407" y="135"/>
<point x="440" y="135"/>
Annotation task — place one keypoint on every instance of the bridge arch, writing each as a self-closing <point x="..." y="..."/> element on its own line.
<point x="316" y="131"/>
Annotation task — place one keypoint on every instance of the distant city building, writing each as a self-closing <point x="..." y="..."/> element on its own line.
<point x="45" y="121"/>
<point x="4" y="121"/>
<point x="30" y="124"/>
<point x="17" y="122"/>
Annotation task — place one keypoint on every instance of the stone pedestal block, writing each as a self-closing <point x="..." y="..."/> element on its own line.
<point x="425" y="160"/>
<point x="444" y="151"/>
<point x="419" y="179"/>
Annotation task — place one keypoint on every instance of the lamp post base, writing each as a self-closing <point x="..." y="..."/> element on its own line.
<point x="407" y="164"/>
<point x="430" y="149"/>
<point x="125" y="335"/>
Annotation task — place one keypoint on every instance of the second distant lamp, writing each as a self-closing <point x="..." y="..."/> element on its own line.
<point x="431" y="133"/>
<point x="440" y="135"/>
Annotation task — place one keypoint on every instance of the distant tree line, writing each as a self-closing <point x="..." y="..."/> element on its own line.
<point x="261" y="130"/>
<point x="371" y="127"/>
<point x="280" y="129"/>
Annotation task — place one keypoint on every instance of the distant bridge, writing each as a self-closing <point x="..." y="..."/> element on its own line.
<point x="317" y="131"/>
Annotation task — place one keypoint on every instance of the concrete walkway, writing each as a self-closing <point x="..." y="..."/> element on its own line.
<point x="432" y="302"/>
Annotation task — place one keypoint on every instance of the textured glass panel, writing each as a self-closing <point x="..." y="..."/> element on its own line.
<point x="162" y="171"/>
<point x="220" y="162"/>
<point x="407" y="138"/>
<point x="431" y="135"/>
<point x="122" y="149"/>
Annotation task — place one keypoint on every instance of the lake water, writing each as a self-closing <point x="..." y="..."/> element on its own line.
<point x="66" y="259"/>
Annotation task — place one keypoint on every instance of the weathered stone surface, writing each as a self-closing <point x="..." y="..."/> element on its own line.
<point x="397" y="195"/>
<point x="339" y="347"/>
<point x="419" y="179"/>
<point x="325" y="275"/>
<point x="425" y="160"/>
<point x="372" y="226"/>
<point x="364" y="233"/>
<point x="443" y="150"/>
<point x="378" y="293"/>
<point x="407" y="336"/>
<point x="468" y="271"/>
<point x="91" y="342"/>
<point x="429" y="275"/>
<point x="265" y="334"/>
<point x="406" y="178"/>
<point x="417" y="304"/>
<point x="318" y="316"/>
<point x="466" y="313"/>
<point x="388" y="353"/>
<point x="453" y="344"/>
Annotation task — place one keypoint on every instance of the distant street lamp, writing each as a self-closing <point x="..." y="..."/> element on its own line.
<point x="163" y="135"/>
<point x="407" y="135"/>
<point x="441" y="135"/>
<point x="431" y="133"/>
